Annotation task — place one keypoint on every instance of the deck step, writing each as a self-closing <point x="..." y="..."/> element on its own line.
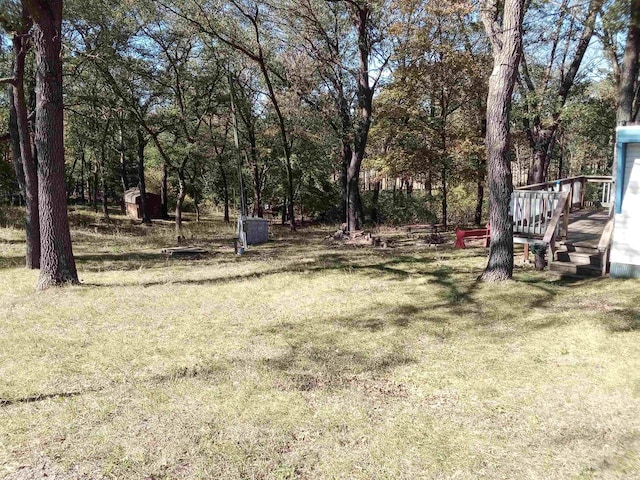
<point x="579" y="258"/>
<point x="579" y="248"/>
<point x="573" y="269"/>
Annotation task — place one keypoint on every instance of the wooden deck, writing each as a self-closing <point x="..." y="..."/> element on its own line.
<point x="586" y="227"/>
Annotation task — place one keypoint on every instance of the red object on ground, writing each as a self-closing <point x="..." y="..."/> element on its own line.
<point x="483" y="233"/>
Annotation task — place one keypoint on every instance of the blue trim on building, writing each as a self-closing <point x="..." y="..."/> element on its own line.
<point x="628" y="134"/>
<point x="624" y="136"/>
<point x="622" y="164"/>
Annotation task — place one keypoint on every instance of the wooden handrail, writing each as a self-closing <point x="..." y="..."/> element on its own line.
<point x="607" y="235"/>
<point x="555" y="218"/>
<point x="604" y="246"/>
<point x="567" y="181"/>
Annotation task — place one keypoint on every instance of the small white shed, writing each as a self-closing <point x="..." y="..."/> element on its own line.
<point x="625" y="249"/>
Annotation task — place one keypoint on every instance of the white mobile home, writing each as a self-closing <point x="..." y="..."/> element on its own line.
<point x="625" y="249"/>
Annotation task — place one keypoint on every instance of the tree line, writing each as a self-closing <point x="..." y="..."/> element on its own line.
<point x="298" y="97"/>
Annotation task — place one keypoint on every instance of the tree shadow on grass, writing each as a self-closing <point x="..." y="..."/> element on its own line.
<point x="43" y="397"/>
<point x="86" y="260"/>
<point x="555" y="287"/>
<point x="12" y="262"/>
<point x="622" y="320"/>
<point x="320" y="361"/>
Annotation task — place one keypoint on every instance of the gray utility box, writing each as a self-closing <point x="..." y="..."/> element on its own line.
<point x="256" y="230"/>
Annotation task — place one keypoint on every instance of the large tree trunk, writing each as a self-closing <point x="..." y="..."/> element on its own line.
<point x="506" y="40"/>
<point x="628" y="102"/>
<point x="542" y="143"/>
<point x="57" y="265"/>
<point x="354" y="202"/>
<point x="32" y="221"/>
<point x="364" y="94"/>
<point x="142" y="184"/>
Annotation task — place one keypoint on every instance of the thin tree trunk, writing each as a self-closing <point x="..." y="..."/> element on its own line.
<point x="444" y="195"/>
<point x="196" y="203"/>
<point x="57" y="264"/>
<point x="164" y="192"/>
<point x="182" y="192"/>
<point x="95" y="183"/>
<point x="105" y="194"/>
<point x="256" y="211"/>
<point x="506" y="40"/>
<point x="479" y="200"/>
<point x="14" y="137"/>
<point x="82" y="162"/>
<point x="103" y="167"/>
<point x="123" y="163"/>
<point x="284" y="211"/>
<point x="375" y="216"/>
<point x="347" y="153"/>
<point x="142" y="185"/>
<point x="225" y="192"/>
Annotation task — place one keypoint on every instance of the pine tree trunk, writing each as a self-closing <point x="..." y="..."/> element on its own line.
<point x="628" y="101"/>
<point x="32" y="221"/>
<point x="506" y="40"/>
<point x="57" y="264"/>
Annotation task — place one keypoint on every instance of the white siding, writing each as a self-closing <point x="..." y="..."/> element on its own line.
<point x="626" y="234"/>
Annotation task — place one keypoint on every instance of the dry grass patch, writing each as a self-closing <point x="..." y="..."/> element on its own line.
<point x="304" y="359"/>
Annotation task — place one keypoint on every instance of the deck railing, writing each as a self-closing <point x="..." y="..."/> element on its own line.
<point x="577" y="188"/>
<point x="532" y="211"/>
<point x="541" y="211"/>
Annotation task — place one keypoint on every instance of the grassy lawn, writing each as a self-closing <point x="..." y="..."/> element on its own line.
<point x="306" y="359"/>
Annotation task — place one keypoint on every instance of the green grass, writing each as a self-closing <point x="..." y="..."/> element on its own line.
<point x="305" y="359"/>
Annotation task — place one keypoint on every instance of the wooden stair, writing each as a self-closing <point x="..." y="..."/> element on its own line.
<point x="576" y="260"/>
